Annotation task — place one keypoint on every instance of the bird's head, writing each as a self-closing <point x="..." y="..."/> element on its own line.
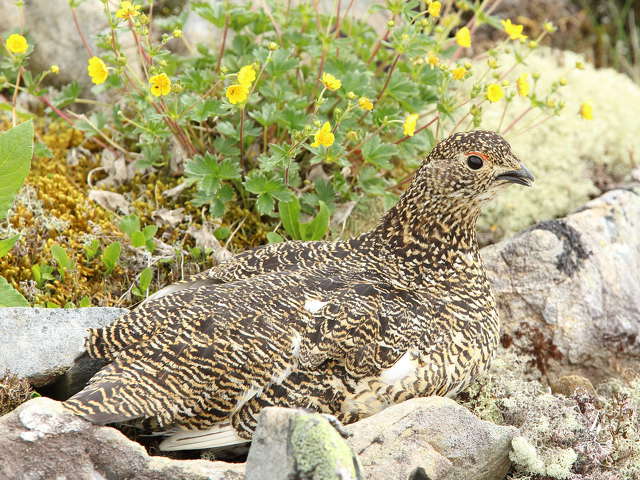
<point x="473" y="165"/>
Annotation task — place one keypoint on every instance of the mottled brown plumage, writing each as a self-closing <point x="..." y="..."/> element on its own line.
<point x="346" y="328"/>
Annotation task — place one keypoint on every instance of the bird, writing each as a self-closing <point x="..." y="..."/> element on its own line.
<point x="343" y="328"/>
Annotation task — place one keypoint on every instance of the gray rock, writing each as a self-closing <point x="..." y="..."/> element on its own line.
<point x="292" y="443"/>
<point x="432" y="438"/>
<point x="41" y="344"/>
<point x="568" y="290"/>
<point x="41" y="440"/>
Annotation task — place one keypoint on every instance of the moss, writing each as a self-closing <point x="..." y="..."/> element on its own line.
<point x="13" y="392"/>
<point x="319" y="451"/>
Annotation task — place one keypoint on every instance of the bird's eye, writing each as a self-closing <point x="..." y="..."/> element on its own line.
<point x="474" y="162"/>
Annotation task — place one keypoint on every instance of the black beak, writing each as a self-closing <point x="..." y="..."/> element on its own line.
<point x="521" y="176"/>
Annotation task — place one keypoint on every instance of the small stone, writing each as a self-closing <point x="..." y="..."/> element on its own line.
<point x="569" y="384"/>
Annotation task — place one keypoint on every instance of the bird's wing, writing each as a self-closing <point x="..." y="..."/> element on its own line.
<point x="141" y="324"/>
<point x="366" y="325"/>
<point x="207" y="355"/>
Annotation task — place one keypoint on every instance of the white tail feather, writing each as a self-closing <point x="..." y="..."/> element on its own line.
<point x="223" y="435"/>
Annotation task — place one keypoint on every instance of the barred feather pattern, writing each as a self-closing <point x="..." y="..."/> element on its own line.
<point x="346" y="328"/>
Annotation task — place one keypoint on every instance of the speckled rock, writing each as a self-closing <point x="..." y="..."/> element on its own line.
<point x="568" y="290"/>
<point x="41" y="344"/>
<point x="41" y="440"/>
<point x="432" y="438"/>
<point x="292" y="443"/>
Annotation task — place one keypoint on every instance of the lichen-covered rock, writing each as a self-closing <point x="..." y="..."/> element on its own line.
<point x="40" y="344"/>
<point x="433" y="438"/>
<point x="568" y="290"/>
<point x="292" y="443"/>
<point x="41" y="440"/>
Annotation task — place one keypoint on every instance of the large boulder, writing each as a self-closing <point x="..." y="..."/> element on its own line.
<point x="568" y="290"/>
<point x="41" y="440"/>
<point x="432" y="438"/>
<point x="41" y="344"/>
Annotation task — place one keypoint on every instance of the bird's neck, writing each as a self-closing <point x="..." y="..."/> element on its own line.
<point x="433" y="229"/>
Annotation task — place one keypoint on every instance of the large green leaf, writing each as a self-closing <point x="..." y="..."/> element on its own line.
<point x="16" y="150"/>
<point x="7" y="244"/>
<point x="10" y="297"/>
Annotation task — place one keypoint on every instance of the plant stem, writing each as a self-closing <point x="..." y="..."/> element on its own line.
<point x="242" y="162"/>
<point x="81" y="33"/>
<point x="222" y="45"/>
<point x="14" y="100"/>
<point x="516" y="120"/>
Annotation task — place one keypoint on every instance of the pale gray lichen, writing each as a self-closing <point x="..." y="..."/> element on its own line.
<point x="577" y="437"/>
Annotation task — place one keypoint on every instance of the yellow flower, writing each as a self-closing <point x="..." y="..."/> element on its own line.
<point x="97" y="70"/>
<point x="494" y="92"/>
<point x="237" y="93"/>
<point x="432" y="59"/>
<point x="128" y="10"/>
<point x="160" y="85"/>
<point x="365" y="103"/>
<point x="522" y="84"/>
<point x="246" y="75"/>
<point x="323" y="136"/>
<point x="459" y="73"/>
<point x="434" y="9"/>
<point x="549" y="27"/>
<point x="177" y="33"/>
<point x="463" y="37"/>
<point x="331" y="82"/>
<point x="586" y="111"/>
<point x="54" y="69"/>
<point x="409" y="125"/>
<point x="16" y="43"/>
<point x="513" y="30"/>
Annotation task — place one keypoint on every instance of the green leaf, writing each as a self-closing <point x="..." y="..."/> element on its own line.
<point x="84" y="302"/>
<point x="273" y="237"/>
<point x="110" y="256"/>
<point x="290" y="217"/>
<point x="138" y="239"/>
<point x="144" y="280"/>
<point x="91" y="249"/>
<point x="16" y="150"/>
<point x="10" y="297"/>
<point x="129" y="225"/>
<point x="317" y="228"/>
<point x="42" y="151"/>
<point x="59" y="254"/>
<point x="7" y="244"/>
<point x="265" y="204"/>
<point x="378" y="153"/>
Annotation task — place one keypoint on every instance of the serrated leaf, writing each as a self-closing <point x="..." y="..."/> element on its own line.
<point x="16" y="150"/>
<point x="7" y="244"/>
<point x="265" y="204"/>
<point x="10" y="297"/>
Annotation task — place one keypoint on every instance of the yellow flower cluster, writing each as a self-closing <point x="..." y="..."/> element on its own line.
<point x="513" y="30"/>
<point x="323" y="136"/>
<point x="586" y="111"/>
<point x="160" y="85"/>
<point x="409" y="125"/>
<point x="128" y="10"/>
<point x="239" y="92"/>
<point x="97" y="70"/>
<point x="494" y="92"/>
<point x="331" y="82"/>
<point x="459" y="73"/>
<point x="16" y="43"/>
<point x="434" y="9"/>
<point x="463" y="37"/>
<point x="365" y="103"/>
<point x="522" y="85"/>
